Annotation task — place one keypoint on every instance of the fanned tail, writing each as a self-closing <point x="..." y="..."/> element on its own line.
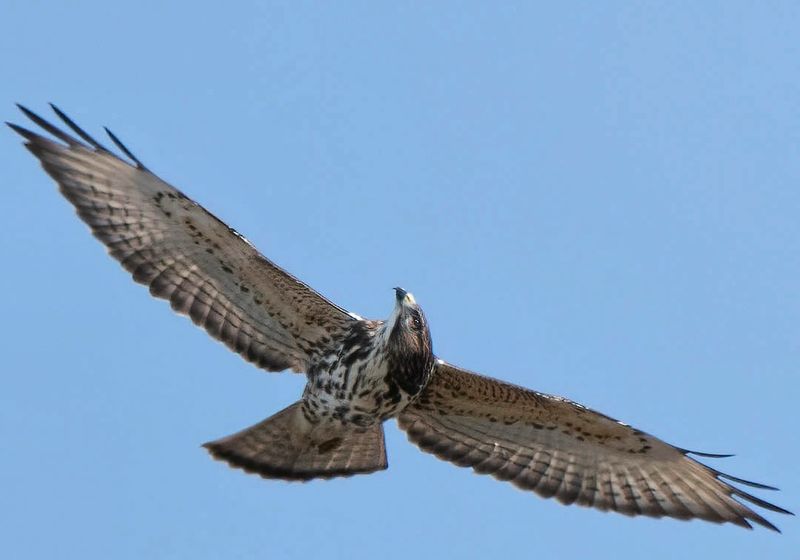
<point x="287" y="446"/>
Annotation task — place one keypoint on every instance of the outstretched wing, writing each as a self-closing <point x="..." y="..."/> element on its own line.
<point x="185" y="254"/>
<point x="558" y="448"/>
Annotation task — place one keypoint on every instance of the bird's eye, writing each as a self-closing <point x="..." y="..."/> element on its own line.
<point x="415" y="322"/>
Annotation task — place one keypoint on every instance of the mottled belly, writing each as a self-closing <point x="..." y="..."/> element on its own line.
<point x="361" y="398"/>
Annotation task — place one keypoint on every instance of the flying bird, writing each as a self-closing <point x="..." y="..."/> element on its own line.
<point x="363" y="372"/>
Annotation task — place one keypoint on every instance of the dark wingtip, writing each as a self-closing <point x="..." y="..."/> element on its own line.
<point x="759" y="502"/>
<point x="18" y="129"/>
<point x="55" y="131"/>
<point x="709" y="455"/>
<point x="770" y="526"/>
<point x="77" y="130"/>
<point x="27" y="112"/>
<point x="746" y="482"/>
<point x="750" y="483"/>
<point x="125" y="149"/>
<point x="28" y="135"/>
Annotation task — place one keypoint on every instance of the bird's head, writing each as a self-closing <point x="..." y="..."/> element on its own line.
<point x="409" y="343"/>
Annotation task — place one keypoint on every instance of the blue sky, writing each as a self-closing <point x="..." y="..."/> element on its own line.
<point x="598" y="200"/>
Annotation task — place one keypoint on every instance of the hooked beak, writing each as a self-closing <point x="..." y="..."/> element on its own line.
<point x="403" y="297"/>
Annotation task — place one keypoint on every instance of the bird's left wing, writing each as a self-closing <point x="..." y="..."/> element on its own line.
<point x="185" y="254"/>
<point x="558" y="448"/>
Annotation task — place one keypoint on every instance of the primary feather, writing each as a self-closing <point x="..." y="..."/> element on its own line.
<point x="186" y="255"/>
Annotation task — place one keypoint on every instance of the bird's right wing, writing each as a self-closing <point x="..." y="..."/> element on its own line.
<point x="187" y="256"/>
<point x="558" y="448"/>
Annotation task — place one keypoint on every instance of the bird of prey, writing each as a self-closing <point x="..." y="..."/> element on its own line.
<point x="362" y="372"/>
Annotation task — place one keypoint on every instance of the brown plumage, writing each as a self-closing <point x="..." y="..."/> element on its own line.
<point x="361" y="372"/>
<point x="187" y="256"/>
<point x="558" y="448"/>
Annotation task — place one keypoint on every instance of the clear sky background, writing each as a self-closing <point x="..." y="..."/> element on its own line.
<point x="598" y="200"/>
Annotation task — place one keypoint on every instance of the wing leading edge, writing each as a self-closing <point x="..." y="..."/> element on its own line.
<point x="186" y="255"/>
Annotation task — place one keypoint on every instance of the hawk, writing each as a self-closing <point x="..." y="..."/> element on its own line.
<point x="363" y="372"/>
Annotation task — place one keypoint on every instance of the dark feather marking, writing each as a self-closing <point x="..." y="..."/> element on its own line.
<point x="696" y="503"/>
<point x="678" y="508"/>
<point x="78" y="130"/>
